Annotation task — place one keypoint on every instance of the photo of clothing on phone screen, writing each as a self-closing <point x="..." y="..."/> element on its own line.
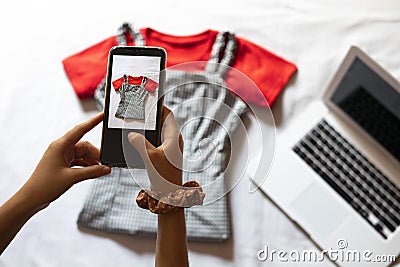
<point x="134" y="92"/>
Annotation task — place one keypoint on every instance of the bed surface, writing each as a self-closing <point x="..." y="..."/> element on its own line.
<point x="38" y="104"/>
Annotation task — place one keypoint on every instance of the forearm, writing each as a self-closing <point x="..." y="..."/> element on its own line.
<point x="171" y="249"/>
<point x="13" y="215"/>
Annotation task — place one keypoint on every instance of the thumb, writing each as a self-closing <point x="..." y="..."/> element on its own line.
<point x="141" y="144"/>
<point x="94" y="171"/>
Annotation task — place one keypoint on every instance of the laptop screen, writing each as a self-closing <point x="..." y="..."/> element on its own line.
<point x="372" y="103"/>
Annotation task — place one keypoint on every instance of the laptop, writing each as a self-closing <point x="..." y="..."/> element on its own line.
<point x="337" y="173"/>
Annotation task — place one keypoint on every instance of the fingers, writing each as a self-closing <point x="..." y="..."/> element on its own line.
<point x="87" y="152"/>
<point x="165" y="112"/>
<point x="170" y="132"/>
<point x="181" y="143"/>
<point x="87" y="155"/>
<point x="81" y="174"/>
<point x="142" y="145"/>
<point x="74" y="135"/>
<point x="80" y="162"/>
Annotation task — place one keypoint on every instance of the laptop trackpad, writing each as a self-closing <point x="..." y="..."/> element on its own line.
<point x="319" y="213"/>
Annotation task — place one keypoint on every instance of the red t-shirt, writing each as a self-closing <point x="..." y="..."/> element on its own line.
<point x="149" y="85"/>
<point x="268" y="71"/>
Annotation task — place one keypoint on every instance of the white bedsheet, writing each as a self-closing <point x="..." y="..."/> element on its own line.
<point x="37" y="104"/>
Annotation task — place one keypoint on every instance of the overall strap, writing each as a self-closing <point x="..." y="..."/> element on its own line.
<point x="144" y="80"/>
<point x="125" y="30"/>
<point x="225" y="44"/>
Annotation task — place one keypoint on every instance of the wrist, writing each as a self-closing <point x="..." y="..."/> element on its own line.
<point x="173" y="222"/>
<point x="28" y="201"/>
<point x="178" y="213"/>
<point x="19" y="208"/>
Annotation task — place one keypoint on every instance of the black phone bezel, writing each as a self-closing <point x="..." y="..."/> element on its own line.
<point x="111" y="152"/>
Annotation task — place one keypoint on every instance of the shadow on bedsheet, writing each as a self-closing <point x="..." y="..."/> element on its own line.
<point x="278" y="107"/>
<point x="137" y="244"/>
<point x="142" y="245"/>
<point x="88" y="105"/>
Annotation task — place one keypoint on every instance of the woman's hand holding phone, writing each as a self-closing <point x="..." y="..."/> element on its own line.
<point x="163" y="163"/>
<point x="54" y="174"/>
<point x="164" y="167"/>
<point x="133" y="102"/>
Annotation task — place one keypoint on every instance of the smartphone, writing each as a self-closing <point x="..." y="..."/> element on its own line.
<point x="133" y="102"/>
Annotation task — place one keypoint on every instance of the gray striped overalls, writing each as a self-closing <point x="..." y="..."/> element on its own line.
<point x="208" y="113"/>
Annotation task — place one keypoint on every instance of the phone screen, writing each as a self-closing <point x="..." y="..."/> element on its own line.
<point x="133" y="94"/>
<point x="133" y="102"/>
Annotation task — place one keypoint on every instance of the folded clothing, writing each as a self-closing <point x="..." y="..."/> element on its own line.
<point x="110" y="206"/>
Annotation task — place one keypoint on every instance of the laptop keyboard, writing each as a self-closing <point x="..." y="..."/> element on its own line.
<point x="352" y="176"/>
